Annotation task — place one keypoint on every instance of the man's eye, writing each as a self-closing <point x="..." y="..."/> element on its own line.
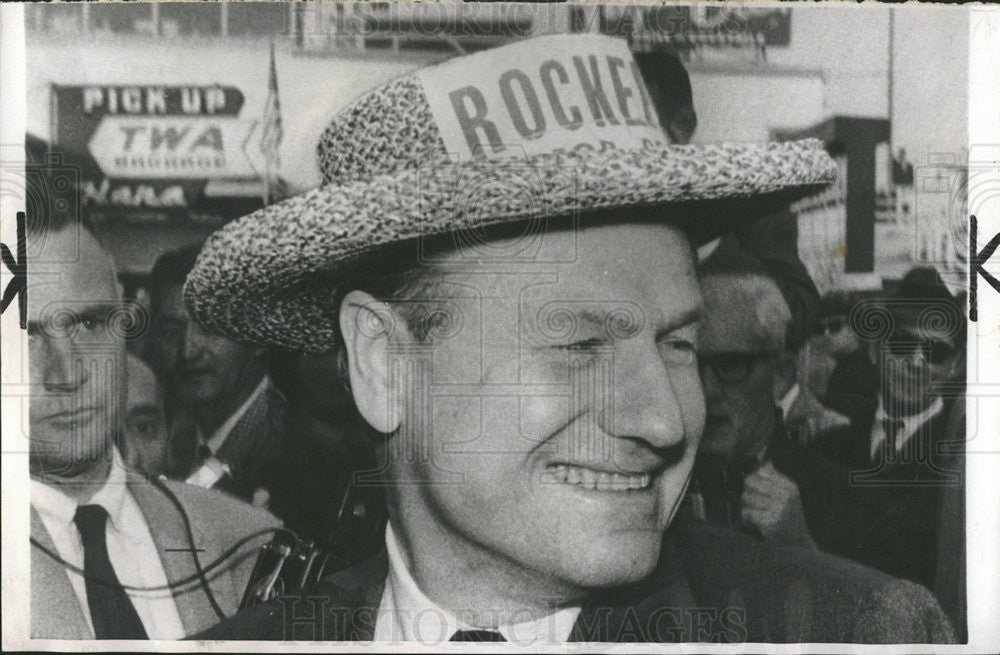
<point x="146" y="429"/>
<point x="585" y="346"/>
<point x="677" y="351"/>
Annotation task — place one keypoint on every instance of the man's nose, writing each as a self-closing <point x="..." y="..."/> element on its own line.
<point x="192" y="342"/>
<point x="61" y="370"/>
<point x="648" y="397"/>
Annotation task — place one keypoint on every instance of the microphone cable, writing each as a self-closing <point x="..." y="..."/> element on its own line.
<point x="200" y="571"/>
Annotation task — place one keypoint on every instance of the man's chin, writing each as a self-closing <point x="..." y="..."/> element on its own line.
<point x="612" y="562"/>
<point x="45" y="463"/>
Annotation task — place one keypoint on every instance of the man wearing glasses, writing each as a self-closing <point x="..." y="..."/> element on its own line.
<point x="900" y="459"/>
<point x="747" y="465"/>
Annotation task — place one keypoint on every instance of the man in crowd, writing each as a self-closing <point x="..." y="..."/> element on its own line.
<point x="145" y="440"/>
<point x="220" y="398"/>
<point x="852" y="385"/>
<point x="114" y="555"/>
<point x="528" y="376"/>
<point x="750" y="462"/>
<point x="896" y="462"/>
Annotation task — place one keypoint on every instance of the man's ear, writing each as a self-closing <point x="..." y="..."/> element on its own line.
<point x="366" y="325"/>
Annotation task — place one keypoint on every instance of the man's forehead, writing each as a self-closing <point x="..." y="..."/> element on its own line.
<point x="78" y="272"/>
<point x="742" y="314"/>
<point x="620" y="273"/>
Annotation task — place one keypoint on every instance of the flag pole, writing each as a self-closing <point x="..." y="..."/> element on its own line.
<point x="267" y="155"/>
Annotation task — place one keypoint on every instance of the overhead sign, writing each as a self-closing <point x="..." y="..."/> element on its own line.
<point x="143" y="147"/>
<point x="173" y="147"/>
<point x="161" y="100"/>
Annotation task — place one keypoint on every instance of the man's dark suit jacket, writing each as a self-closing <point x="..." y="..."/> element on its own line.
<point x="713" y="585"/>
<point x="890" y="514"/>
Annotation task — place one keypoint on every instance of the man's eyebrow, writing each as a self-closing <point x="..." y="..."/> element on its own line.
<point x="599" y="318"/>
<point x="692" y="315"/>
<point x="95" y="310"/>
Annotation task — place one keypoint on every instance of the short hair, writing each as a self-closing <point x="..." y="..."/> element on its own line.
<point x="749" y="281"/>
<point x="670" y="90"/>
<point x="762" y="294"/>
<point x="395" y="277"/>
<point x="835" y="303"/>
<point x="171" y="269"/>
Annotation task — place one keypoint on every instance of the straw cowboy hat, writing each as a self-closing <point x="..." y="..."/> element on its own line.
<point x="556" y="126"/>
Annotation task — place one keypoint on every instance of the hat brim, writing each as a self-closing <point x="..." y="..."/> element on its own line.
<point x="267" y="277"/>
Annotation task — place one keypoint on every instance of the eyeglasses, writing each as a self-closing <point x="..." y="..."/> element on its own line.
<point x="730" y="368"/>
<point x="831" y="324"/>
<point x="936" y="351"/>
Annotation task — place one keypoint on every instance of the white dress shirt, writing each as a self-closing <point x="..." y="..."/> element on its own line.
<point x="406" y="614"/>
<point x="911" y="424"/>
<point x="212" y="469"/>
<point x="131" y="549"/>
<point x="789" y="399"/>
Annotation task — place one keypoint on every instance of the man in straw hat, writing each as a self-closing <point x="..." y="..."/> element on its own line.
<point x="502" y="252"/>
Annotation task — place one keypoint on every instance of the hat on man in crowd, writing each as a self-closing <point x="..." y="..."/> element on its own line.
<point x="554" y="127"/>
<point x="922" y="283"/>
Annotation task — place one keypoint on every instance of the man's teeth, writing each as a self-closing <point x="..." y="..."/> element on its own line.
<point x="598" y="480"/>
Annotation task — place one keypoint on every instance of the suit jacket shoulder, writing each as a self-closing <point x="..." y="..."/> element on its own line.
<point x="216" y="532"/>
<point x="211" y="524"/>
<point x="220" y="513"/>
<point x="792" y="595"/>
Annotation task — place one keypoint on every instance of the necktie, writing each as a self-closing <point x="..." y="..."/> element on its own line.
<point x="477" y="635"/>
<point x="111" y="611"/>
<point x="887" y="451"/>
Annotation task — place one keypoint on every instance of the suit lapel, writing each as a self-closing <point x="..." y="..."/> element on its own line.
<point x="358" y="590"/>
<point x="55" y="608"/>
<point x="174" y="548"/>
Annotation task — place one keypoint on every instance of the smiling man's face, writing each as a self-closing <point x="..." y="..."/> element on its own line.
<point x="551" y="423"/>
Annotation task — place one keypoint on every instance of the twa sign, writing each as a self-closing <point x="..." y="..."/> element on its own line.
<point x="172" y="147"/>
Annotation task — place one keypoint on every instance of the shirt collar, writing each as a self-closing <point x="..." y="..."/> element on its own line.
<point x="218" y="437"/>
<point x="60" y="509"/>
<point x="914" y="421"/>
<point x="789" y="399"/>
<point x="409" y="605"/>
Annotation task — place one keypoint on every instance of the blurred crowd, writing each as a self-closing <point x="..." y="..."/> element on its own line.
<point x="273" y="428"/>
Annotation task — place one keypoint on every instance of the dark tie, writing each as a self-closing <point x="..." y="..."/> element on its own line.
<point x="477" y="635"/>
<point x="204" y="452"/>
<point x="111" y="611"/>
<point x="892" y="428"/>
